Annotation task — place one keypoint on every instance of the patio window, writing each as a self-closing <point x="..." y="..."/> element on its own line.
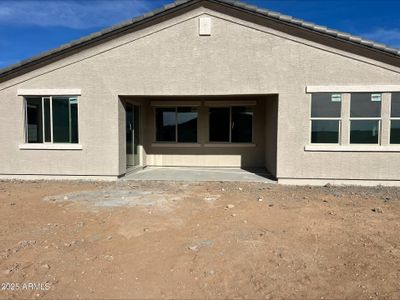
<point x="365" y="118"/>
<point x="51" y="119"/>
<point x="395" y="119"/>
<point x="325" y="118"/>
<point x="176" y="124"/>
<point x="231" y="124"/>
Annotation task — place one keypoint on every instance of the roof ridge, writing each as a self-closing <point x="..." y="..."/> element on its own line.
<point x="346" y="37"/>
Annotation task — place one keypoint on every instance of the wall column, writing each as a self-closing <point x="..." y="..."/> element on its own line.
<point x="345" y="124"/>
<point x="385" y="115"/>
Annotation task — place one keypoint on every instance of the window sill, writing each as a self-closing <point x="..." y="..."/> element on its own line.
<point x="175" y="145"/>
<point x="352" y="148"/>
<point x="50" y="147"/>
<point x="230" y="145"/>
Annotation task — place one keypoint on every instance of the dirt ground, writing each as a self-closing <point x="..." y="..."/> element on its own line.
<point x="197" y="240"/>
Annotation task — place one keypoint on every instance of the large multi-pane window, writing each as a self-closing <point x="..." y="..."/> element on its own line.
<point x="395" y="119"/>
<point x="325" y="118"/>
<point x="231" y="124"/>
<point x="51" y="119"/>
<point x="365" y="118"/>
<point x="176" y="124"/>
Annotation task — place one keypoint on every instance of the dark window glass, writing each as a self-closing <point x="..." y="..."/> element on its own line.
<point x="64" y="114"/>
<point x="187" y="124"/>
<point x="34" y="120"/>
<point x="395" y="110"/>
<point x="364" y="132"/>
<point x="395" y="132"/>
<point x="362" y="106"/>
<point x="325" y="131"/>
<point x="47" y="120"/>
<point x="322" y="105"/>
<point x="242" y="124"/>
<point x="219" y="124"/>
<point x="166" y="124"/>
<point x="74" y="120"/>
<point x="61" y="121"/>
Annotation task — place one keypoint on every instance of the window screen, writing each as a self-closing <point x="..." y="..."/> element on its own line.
<point x="176" y="124"/>
<point x="363" y="106"/>
<point x="61" y="120"/>
<point x="395" y="119"/>
<point x="34" y="120"/>
<point x="166" y="124"/>
<point x="74" y="119"/>
<point x="325" y="118"/>
<point x="47" y="119"/>
<point x="52" y="119"/>
<point x="219" y="125"/>
<point x="395" y="109"/>
<point x="325" y="131"/>
<point x="187" y="124"/>
<point x="395" y="131"/>
<point x="326" y="105"/>
<point x="365" y="113"/>
<point x="364" y="132"/>
<point x="242" y="124"/>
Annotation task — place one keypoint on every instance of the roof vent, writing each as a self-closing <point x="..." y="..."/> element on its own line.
<point x="204" y="26"/>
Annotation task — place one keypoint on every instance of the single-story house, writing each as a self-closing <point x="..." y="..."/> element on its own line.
<point x="206" y="83"/>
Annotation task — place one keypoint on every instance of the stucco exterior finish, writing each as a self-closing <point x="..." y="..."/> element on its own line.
<point x="169" y="58"/>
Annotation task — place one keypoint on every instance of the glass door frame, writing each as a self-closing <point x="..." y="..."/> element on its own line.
<point x="139" y="164"/>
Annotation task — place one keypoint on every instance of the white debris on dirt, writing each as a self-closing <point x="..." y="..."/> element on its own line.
<point x="196" y="246"/>
<point x="114" y="198"/>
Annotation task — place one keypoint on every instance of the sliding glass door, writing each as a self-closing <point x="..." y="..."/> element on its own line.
<point x="132" y="135"/>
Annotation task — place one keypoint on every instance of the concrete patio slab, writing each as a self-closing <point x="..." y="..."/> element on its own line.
<point x="200" y="174"/>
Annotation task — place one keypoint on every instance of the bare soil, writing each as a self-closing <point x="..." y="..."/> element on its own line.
<point x="199" y="240"/>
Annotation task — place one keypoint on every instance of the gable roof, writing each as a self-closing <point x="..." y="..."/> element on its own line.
<point x="120" y="28"/>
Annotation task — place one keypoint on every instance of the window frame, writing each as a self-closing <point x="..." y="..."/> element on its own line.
<point x="392" y="119"/>
<point x="176" y="124"/>
<point x="339" y="142"/>
<point x="50" y="98"/>
<point x="230" y="125"/>
<point x="379" y="119"/>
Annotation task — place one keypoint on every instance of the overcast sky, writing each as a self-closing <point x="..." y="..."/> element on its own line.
<point x="28" y="27"/>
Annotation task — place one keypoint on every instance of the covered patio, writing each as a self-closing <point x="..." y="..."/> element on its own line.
<point x="224" y="137"/>
<point x="200" y="174"/>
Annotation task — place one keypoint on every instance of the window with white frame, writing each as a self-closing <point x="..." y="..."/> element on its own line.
<point x="231" y="124"/>
<point x="325" y="118"/>
<point x="176" y="124"/>
<point x="51" y="119"/>
<point x="365" y="118"/>
<point x="395" y="119"/>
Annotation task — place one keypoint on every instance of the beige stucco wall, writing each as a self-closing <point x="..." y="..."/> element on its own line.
<point x="271" y="133"/>
<point x="170" y="58"/>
